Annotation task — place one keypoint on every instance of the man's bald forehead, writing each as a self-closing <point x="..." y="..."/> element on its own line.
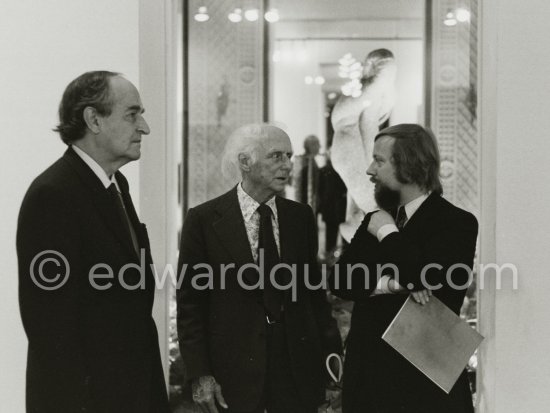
<point x="275" y="132"/>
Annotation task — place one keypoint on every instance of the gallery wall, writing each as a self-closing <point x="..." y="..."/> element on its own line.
<point x="43" y="46"/>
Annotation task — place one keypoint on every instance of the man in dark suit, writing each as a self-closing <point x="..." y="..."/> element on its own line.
<point x="85" y="285"/>
<point x="332" y="204"/>
<point x="426" y="229"/>
<point x="246" y="343"/>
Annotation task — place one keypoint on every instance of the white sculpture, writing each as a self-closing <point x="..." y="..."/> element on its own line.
<point x="356" y="121"/>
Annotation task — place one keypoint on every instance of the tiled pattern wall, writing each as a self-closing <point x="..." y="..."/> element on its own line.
<point x="454" y="95"/>
<point x="226" y="90"/>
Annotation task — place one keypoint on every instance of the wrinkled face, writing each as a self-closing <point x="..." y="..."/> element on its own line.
<point x="382" y="172"/>
<point x="271" y="171"/>
<point x="121" y="131"/>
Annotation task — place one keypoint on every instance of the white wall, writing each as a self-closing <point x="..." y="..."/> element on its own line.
<point x="43" y="46"/>
<point x="516" y="199"/>
<point x="161" y="86"/>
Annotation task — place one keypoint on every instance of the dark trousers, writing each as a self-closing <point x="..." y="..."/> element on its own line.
<point x="281" y="394"/>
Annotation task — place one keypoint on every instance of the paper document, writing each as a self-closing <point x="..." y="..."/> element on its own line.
<point x="434" y="339"/>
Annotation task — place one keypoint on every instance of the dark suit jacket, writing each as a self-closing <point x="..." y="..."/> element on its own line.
<point x="332" y="195"/>
<point x="89" y="350"/>
<point x="222" y="330"/>
<point x="375" y="375"/>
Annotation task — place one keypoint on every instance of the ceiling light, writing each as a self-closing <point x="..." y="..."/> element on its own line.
<point x="450" y="19"/>
<point x="236" y="15"/>
<point x="272" y="15"/>
<point x="343" y="72"/>
<point x="350" y="68"/>
<point x="319" y="80"/>
<point x="276" y="56"/>
<point x="450" y="22"/>
<point x="251" y="15"/>
<point x="346" y="89"/>
<point x="462" y="15"/>
<point x="352" y="88"/>
<point x="355" y="74"/>
<point x="308" y="80"/>
<point x="202" y="15"/>
<point x="346" y="60"/>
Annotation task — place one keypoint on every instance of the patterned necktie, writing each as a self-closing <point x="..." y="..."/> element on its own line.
<point x="272" y="296"/>
<point x="401" y="218"/>
<point x="123" y="216"/>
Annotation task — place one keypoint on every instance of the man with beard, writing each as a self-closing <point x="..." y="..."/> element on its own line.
<point x="249" y="343"/>
<point x="414" y="227"/>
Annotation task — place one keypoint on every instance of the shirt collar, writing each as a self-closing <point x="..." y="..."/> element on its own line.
<point x="249" y="205"/>
<point x="96" y="168"/>
<point x="412" y="206"/>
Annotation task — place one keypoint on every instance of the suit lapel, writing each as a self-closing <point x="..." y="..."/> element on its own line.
<point x="101" y="199"/>
<point x="420" y="221"/>
<point x="231" y="230"/>
<point x="131" y="211"/>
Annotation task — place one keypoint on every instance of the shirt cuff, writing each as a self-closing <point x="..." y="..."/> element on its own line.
<point x="385" y="230"/>
<point x="382" y="286"/>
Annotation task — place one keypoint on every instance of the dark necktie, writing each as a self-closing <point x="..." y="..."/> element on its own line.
<point x="272" y="296"/>
<point x="123" y="216"/>
<point x="401" y="218"/>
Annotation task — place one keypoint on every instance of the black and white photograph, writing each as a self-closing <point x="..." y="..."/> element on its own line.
<point x="274" y="206"/>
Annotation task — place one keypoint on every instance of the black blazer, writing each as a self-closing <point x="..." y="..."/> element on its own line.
<point x="222" y="330"/>
<point x="89" y="349"/>
<point x="375" y="375"/>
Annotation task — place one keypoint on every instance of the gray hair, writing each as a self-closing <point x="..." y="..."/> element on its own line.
<point x="89" y="89"/>
<point x="244" y="140"/>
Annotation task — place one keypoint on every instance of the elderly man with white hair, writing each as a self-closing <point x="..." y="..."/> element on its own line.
<point x="254" y="325"/>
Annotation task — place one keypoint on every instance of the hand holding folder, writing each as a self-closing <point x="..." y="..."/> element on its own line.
<point x="434" y="339"/>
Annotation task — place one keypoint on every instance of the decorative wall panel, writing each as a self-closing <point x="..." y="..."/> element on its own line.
<point x="454" y="85"/>
<point x="225" y="83"/>
<point x="454" y="121"/>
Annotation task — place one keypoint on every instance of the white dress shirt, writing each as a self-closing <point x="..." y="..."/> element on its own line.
<point x="385" y="230"/>
<point x="98" y="170"/>
<point x="249" y="208"/>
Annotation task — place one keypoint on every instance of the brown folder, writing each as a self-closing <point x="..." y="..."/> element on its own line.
<point x="434" y="339"/>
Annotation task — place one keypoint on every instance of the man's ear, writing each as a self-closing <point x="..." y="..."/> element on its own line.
<point x="244" y="162"/>
<point x="91" y="118"/>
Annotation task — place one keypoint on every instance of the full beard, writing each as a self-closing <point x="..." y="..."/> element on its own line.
<point x="386" y="198"/>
